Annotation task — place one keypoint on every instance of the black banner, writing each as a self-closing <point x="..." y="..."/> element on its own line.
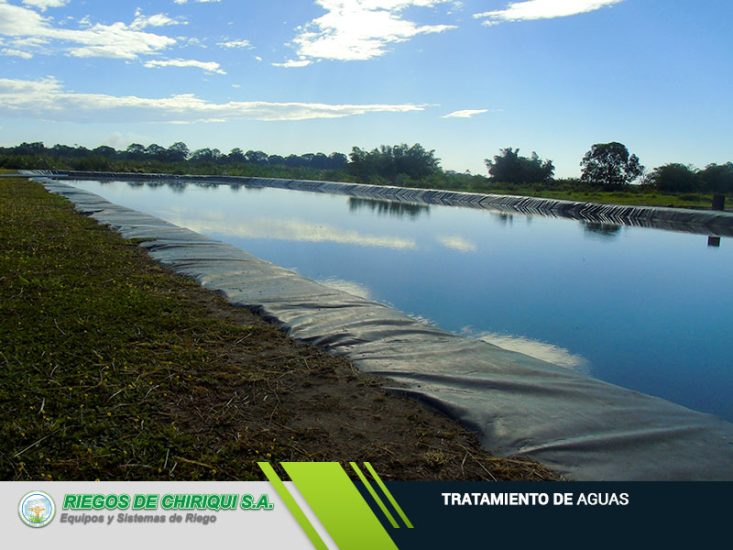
<point x="569" y="515"/>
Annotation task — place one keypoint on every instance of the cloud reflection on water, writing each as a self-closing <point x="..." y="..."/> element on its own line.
<point x="287" y="230"/>
<point x="458" y="243"/>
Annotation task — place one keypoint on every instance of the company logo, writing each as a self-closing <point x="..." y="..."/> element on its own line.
<point x="36" y="509"/>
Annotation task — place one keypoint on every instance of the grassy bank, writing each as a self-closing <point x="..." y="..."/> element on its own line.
<point x="111" y="367"/>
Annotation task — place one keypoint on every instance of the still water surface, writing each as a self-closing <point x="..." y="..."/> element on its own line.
<point x="643" y="308"/>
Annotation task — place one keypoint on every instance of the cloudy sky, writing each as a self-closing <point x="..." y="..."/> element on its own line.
<point x="465" y="78"/>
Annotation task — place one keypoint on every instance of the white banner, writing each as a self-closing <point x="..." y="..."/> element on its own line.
<point x="146" y="515"/>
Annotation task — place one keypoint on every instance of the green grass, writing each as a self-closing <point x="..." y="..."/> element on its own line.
<point x="89" y="345"/>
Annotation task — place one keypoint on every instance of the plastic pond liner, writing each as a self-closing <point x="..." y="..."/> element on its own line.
<point x="582" y="427"/>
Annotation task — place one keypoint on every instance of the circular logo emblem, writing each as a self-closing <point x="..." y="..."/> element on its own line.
<point x="36" y="509"/>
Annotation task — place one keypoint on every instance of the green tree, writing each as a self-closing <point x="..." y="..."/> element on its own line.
<point x="236" y="155"/>
<point x="105" y="151"/>
<point x="610" y="165"/>
<point x="156" y="152"/>
<point x="393" y="162"/>
<point x="295" y="160"/>
<point x="318" y="160"/>
<point x="206" y="155"/>
<point x="510" y="167"/>
<point x="256" y="157"/>
<point x="178" y="152"/>
<point x="675" y="178"/>
<point x="718" y="178"/>
<point x="337" y="161"/>
<point x="35" y="148"/>
<point x="62" y="151"/>
<point x="135" y="151"/>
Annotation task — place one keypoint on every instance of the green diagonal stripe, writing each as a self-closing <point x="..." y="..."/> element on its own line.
<point x="292" y="506"/>
<point x="389" y="496"/>
<point x="374" y="494"/>
<point x="339" y="506"/>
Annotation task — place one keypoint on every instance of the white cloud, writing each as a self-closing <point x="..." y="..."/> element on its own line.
<point x="456" y="7"/>
<point x="43" y="5"/>
<point x="208" y="66"/>
<point x="156" y="20"/>
<point x="293" y="64"/>
<point x="542" y="9"/>
<point x="47" y="99"/>
<point x="353" y="30"/>
<point x="30" y="42"/>
<point x="11" y="52"/>
<point x="466" y="113"/>
<point x="116" y="40"/>
<point x="231" y="44"/>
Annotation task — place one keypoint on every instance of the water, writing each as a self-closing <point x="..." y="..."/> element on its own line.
<point x="646" y="309"/>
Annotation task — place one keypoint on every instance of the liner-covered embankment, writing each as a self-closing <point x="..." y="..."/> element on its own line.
<point x="706" y="222"/>
<point x="582" y="427"/>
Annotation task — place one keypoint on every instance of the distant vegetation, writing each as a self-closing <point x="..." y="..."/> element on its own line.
<point x="404" y="165"/>
<point x="176" y="159"/>
<point x="509" y="167"/>
<point x="680" y="178"/>
<point x="398" y="164"/>
<point x="610" y="165"/>
<point x="607" y="170"/>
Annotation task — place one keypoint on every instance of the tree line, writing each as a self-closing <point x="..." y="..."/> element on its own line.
<point x="176" y="153"/>
<point x="608" y="166"/>
<point x="612" y="167"/>
<point x="401" y="164"/>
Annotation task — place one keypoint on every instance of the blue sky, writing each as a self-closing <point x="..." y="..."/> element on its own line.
<point x="464" y="78"/>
